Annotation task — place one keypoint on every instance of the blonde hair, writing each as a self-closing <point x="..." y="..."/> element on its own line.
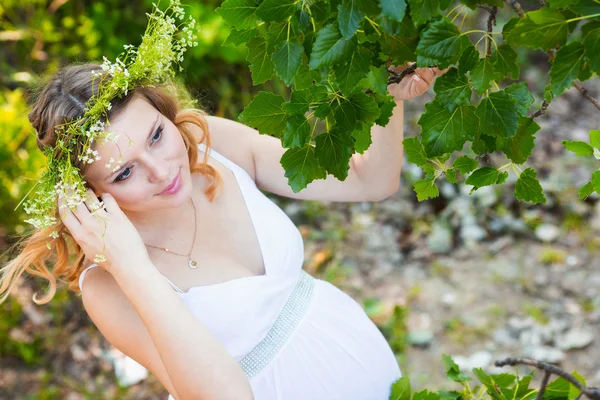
<point x="61" y="100"/>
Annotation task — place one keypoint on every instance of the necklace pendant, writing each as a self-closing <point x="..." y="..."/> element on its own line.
<point x="192" y="264"/>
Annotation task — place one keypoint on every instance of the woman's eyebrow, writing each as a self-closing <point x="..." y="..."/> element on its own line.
<point x="152" y="130"/>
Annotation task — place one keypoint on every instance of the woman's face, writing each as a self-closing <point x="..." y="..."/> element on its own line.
<point x="155" y="160"/>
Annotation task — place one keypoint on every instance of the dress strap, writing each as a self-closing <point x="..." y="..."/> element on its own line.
<point x="83" y="274"/>
<point x="174" y="286"/>
<point x="218" y="156"/>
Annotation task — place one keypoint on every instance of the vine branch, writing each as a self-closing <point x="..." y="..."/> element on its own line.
<point x="586" y="94"/>
<point x="491" y="22"/>
<point x="590" y="392"/>
<point x="516" y="7"/>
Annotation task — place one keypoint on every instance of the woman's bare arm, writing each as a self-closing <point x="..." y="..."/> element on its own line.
<point x="140" y="314"/>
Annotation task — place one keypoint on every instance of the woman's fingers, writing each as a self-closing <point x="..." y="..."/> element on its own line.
<point x="110" y="204"/>
<point x="68" y="217"/>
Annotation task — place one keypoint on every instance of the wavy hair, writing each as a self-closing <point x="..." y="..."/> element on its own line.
<point x="63" y="99"/>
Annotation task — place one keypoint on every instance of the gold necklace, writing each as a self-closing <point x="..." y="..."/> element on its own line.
<point x="191" y="262"/>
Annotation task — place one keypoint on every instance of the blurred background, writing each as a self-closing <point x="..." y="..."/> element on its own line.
<point x="479" y="277"/>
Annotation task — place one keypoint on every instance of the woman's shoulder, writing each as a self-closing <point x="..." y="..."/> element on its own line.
<point x="232" y="140"/>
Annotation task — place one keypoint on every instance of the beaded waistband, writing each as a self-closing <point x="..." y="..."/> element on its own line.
<point x="283" y="327"/>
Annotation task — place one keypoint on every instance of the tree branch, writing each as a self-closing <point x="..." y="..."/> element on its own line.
<point x="516" y="6"/>
<point x="592" y="393"/>
<point x="586" y="94"/>
<point x="491" y="22"/>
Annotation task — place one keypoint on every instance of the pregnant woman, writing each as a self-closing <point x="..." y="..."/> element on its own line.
<point x="155" y="213"/>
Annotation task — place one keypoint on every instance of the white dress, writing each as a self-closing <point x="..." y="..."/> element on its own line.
<point x="296" y="337"/>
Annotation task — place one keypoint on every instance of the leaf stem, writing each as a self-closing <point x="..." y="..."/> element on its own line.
<point x="505" y="166"/>
<point x="584" y="17"/>
<point x="515" y="169"/>
<point x="458" y="14"/>
<point x="451" y="11"/>
<point x="495" y="84"/>
<point x="374" y="25"/>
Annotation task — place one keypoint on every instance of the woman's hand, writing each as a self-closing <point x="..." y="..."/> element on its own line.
<point x="415" y="84"/>
<point x="106" y="231"/>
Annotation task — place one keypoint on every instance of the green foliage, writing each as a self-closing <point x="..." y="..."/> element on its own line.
<point x="334" y="56"/>
<point x="503" y="386"/>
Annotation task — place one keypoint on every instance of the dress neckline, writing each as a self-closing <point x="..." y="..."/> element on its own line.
<point x="235" y="170"/>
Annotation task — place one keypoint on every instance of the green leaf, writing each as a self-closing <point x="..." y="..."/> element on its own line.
<point x="566" y="66"/>
<point x="299" y="103"/>
<point x="483" y="176"/>
<point x="452" y="370"/>
<point x="452" y="89"/>
<point x="362" y="138"/>
<point x="440" y="44"/>
<point x="444" y="131"/>
<point x="465" y="164"/>
<point x="377" y="79"/>
<point x="422" y="11"/>
<point x="595" y="138"/>
<point x="358" y="107"/>
<point x="276" y="10"/>
<point x="261" y="66"/>
<point x="238" y="37"/>
<point x="426" y="395"/>
<point x="350" y="74"/>
<point x="556" y="4"/>
<point x="591" y="43"/>
<point x="469" y="58"/>
<point x="239" y="13"/>
<point x="305" y="77"/>
<point x="482" y="75"/>
<point x="585" y="7"/>
<point x="519" y="147"/>
<point x="494" y="383"/>
<point x="543" y="29"/>
<point x="297" y="132"/>
<point x="277" y="33"/>
<point x="426" y="189"/>
<point x="401" y="389"/>
<point x="265" y="113"/>
<point x="585" y="191"/>
<point x="349" y="17"/>
<point x="386" y="104"/>
<point x="573" y="390"/>
<point x="287" y="58"/>
<point x="502" y="178"/>
<point x="301" y="167"/>
<point x="393" y="9"/>
<point x="451" y="175"/>
<point x="504" y="60"/>
<point x="581" y="149"/>
<point x="334" y="149"/>
<point x="330" y="47"/>
<point x="401" y="49"/>
<point x="498" y="115"/>
<point x="415" y="152"/>
<point x="520" y="93"/>
<point x="528" y="188"/>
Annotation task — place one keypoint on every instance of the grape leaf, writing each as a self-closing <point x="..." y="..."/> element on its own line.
<point x="415" y="152"/>
<point x="297" y="132"/>
<point x="465" y="164"/>
<point x="543" y="29"/>
<point x="301" y="167"/>
<point x="585" y="7"/>
<point x="362" y="138"/>
<point x="502" y="178"/>
<point x="520" y="93"/>
<point x="451" y="175"/>
<point x="422" y="11"/>
<point x="377" y="79"/>
<point x="238" y="37"/>
<point x="330" y="47"/>
<point x="305" y="77"/>
<point x="299" y="103"/>
<point x="519" y="147"/>
<point x="261" y="65"/>
<point x="556" y="4"/>
<point x="579" y="148"/>
<point x="566" y="66"/>
<point x="482" y="75"/>
<point x="239" y="13"/>
<point x="358" y="107"/>
<point x="350" y="74"/>
<point x="440" y="44"/>
<point x="483" y="176"/>
<point x="426" y="189"/>
<point x="452" y="89"/>
<point x="498" y="114"/>
<point x="591" y="42"/>
<point x="585" y="191"/>
<point x="595" y="138"/>
<point x="349" y="17"/>
<point x="334" y="149"/>
<point x="469" y="58"/>
<point x="504" y="60"/>
<point x="401" y="389"/>
<point x="386" y="104"/>
<point x="444" y="131"/>
<point x="287" y="58"/>
<point x="393" y="9"/>
<point x="265" y="113"/>
<point x="453" y="371"/>
<point x="276" y="10"/>
<point x="596" y="181"/>
<point x="528" y="188"/>
<point x="426" y="395"/>
<point x="277" y="33"/>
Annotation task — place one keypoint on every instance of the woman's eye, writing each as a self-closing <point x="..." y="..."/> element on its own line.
<point x="157" y="135"/>
<point x="124" y="175"/>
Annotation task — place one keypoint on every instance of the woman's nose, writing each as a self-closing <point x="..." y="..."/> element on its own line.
<point x="159" y="171"/>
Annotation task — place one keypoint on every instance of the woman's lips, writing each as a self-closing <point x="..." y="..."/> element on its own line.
<point x="174" y="185"/>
